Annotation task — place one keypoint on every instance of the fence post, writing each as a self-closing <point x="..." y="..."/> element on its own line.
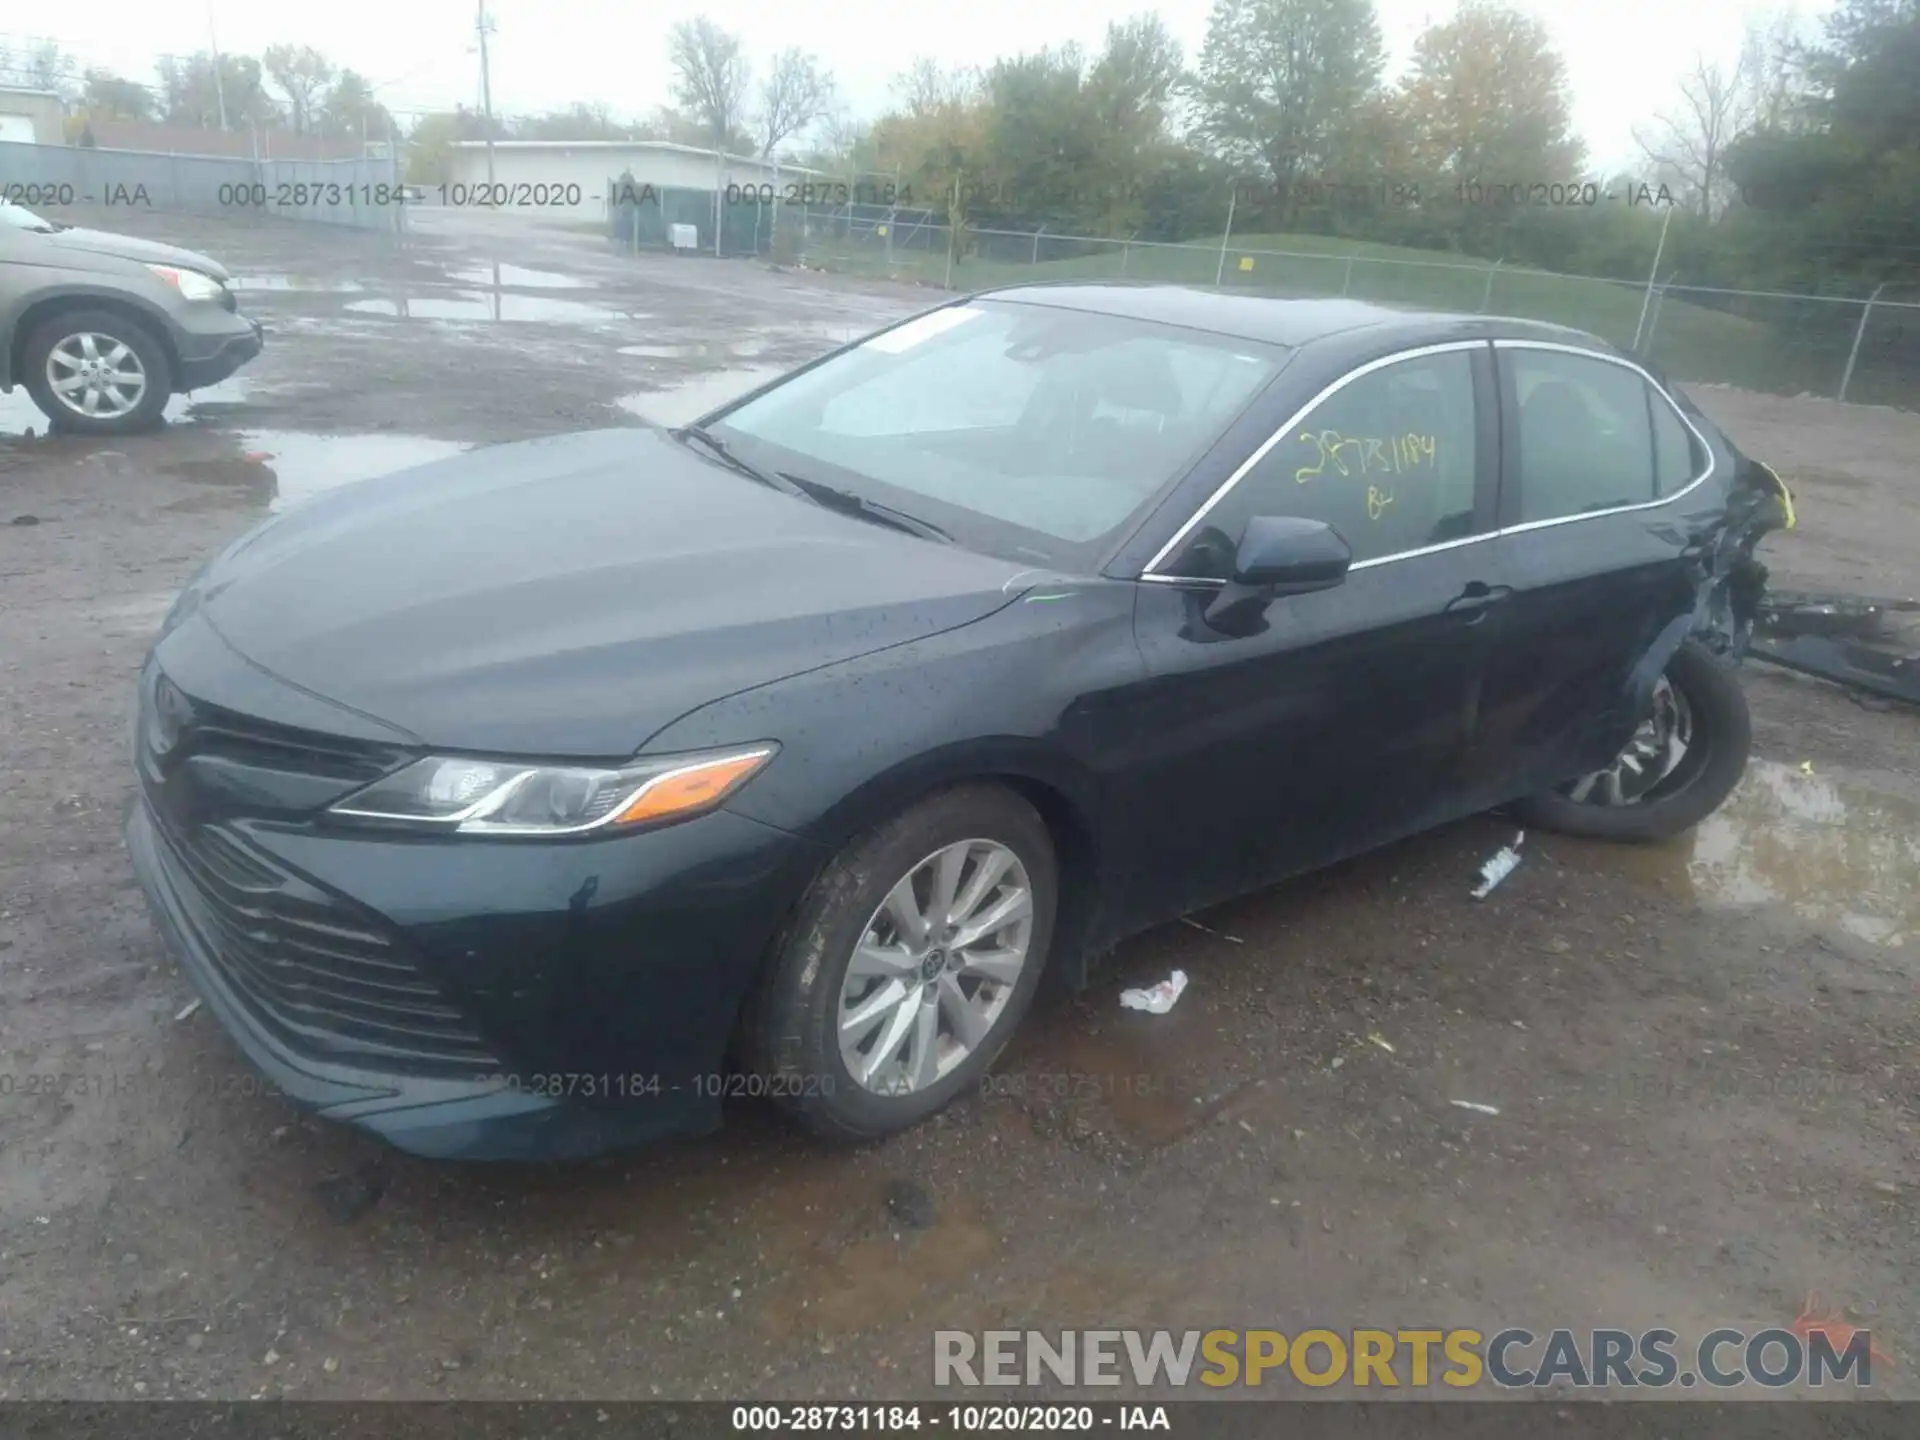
<point x="1486" y="294"/>
<point x="948" y="282"/>
<point x="1036" y="244"/>
<point x="1652" y="270"/>
<point x="1220" y="270"/>
<point x="1653" y="320"/>
<point x="1347" y="283"/>
<point x="1859" y="332"/>
<point x="1126" y="249"/>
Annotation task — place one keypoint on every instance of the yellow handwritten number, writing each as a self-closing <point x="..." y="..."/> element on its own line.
<point x="1377" y="501"/>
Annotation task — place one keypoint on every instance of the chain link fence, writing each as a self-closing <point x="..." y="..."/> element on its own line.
<point x="1864" y="349"/>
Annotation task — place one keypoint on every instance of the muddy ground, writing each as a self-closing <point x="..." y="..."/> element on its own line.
<point x="1703" y="1055"/>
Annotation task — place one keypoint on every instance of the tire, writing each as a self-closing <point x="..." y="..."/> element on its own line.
<point x="1715" y="759"/>
<point x="146" y="352"/>
<point x="792" y="1030"/>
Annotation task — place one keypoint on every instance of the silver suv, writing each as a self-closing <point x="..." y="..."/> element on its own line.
<point x="103" y="328"/>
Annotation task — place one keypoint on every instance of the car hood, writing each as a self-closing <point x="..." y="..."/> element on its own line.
<point x="144" y="252"/>
<point x="572" y="596"/>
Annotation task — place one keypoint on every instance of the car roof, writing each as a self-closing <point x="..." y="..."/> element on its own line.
<point x="1274" y="319"/>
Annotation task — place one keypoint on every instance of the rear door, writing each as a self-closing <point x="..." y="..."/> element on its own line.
<point x="1601" y="543"/>
<point x="1342" y="724"/>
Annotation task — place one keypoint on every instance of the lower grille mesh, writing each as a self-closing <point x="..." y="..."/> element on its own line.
<point x="328" y="980"/>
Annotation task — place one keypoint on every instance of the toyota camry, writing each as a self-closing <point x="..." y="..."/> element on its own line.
<point x="530" y="802"/>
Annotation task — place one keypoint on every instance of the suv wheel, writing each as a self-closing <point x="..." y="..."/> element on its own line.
<point x="95" y="372"/>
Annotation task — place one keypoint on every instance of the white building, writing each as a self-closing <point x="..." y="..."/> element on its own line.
<point x="571" y="177"/>
<point x="31" y="117"/>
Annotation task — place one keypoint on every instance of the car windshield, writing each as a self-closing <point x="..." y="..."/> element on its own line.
<point x="1021" y="428"/>
<point x="22" y="219"/>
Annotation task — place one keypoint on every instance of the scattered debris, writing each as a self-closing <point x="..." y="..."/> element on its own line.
<point x="1158" y="1000"/>
<point x="1806" y="767"/>
<point x="1376" y="1038"/>
<point x="1502" y="863"/>
<point x="911" y="1203"/>
<point x="26" y="520"/>
<point x="186" y="1011"/>
<point x="1476" y="1107"/>
<point x="1230" y="939"/>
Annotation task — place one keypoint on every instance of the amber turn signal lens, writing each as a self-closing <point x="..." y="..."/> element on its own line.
<point x="696" y="787"/>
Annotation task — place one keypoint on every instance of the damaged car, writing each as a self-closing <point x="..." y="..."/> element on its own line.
<point x="535" y="801"/>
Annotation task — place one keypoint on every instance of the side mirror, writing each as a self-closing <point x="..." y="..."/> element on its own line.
<point x="1287" y="556"/>
<point x="1277" y="555"/>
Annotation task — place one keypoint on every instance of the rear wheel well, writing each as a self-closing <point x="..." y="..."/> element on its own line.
<point x="41" y="311"/>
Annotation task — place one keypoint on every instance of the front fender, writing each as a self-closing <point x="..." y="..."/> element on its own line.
<point x="22" y="315"/>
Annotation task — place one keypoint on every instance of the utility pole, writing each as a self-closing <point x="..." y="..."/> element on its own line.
<point x="219" y="86"/>
<point x="483" y="25"/>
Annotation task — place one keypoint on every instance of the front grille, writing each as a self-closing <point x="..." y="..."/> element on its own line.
<point x="327" y="979"/>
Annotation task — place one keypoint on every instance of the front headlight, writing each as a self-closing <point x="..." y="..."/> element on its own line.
<point x="506" y="797"/>
<point x="190" y="283"/>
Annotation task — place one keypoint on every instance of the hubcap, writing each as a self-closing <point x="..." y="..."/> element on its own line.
<point x="1650" y="758"/>
<point x="96" y="375"/>
<point x="935" y="967"/>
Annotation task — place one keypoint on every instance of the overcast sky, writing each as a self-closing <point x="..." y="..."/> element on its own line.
<point x="1624" y="57"/>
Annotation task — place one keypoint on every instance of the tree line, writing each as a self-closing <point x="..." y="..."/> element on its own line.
<point x="1792" y="164"/>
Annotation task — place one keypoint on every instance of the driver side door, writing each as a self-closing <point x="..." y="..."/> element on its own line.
<point x="1345" y="721"/>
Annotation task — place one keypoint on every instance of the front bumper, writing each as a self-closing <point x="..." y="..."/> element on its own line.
<point x="212" y="349"/>
<point x="577" y="998"/>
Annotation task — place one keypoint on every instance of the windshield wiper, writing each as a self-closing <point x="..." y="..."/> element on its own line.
<point x="844" y="501"/>
<point x="724" y="453"/>
<point x="850" y="503"/>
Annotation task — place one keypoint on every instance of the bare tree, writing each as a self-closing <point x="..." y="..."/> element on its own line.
<point x="303" y="75"/>
<point x="927" y="87"/>
<point x="1775" y="56"/>
<point x="711" y="76"/>
<point x="1688" y="145"/>
<point x="797" y="93"/>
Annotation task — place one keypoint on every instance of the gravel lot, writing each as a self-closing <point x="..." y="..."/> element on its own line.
<point x="1703" y="1055"/>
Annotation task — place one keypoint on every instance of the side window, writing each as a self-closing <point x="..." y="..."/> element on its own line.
<point x="1387" y="460"/>
<point x="1676" y="454"/>
<point x="1586" y="436"/>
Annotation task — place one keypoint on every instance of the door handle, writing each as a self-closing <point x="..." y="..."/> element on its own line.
<point x="1471" y="604"/>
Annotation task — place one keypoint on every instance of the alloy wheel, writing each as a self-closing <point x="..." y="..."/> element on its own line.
<point x="96" y="375"/>
<point x="1652" y="758"/>
<point x="935" y="967"/>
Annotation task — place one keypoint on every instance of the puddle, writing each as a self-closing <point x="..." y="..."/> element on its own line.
<point x="20" y="417"/>
<point x="497" y="275"/>
<point x="294" y="282"/>
<point x="285" y="467"/>
<point x="1831" y="853"/>
<point x="473" y="305"/>
<point x="680" y="404"/>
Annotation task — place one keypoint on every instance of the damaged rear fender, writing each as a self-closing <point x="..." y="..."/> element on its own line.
<point x="1732" y="581"/>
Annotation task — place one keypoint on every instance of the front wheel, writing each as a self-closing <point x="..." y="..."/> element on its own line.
<point x="95" y="372"/>
<point x="908" y="964"/>
<point x="1678" y="768"/>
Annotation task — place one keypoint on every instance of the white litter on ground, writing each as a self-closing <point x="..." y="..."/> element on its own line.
<point x="1158" y="1000"/>
<point x="1476" y="1107"/>
<point x="1502" y="863"/>
<point x="187" y="1011"/>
